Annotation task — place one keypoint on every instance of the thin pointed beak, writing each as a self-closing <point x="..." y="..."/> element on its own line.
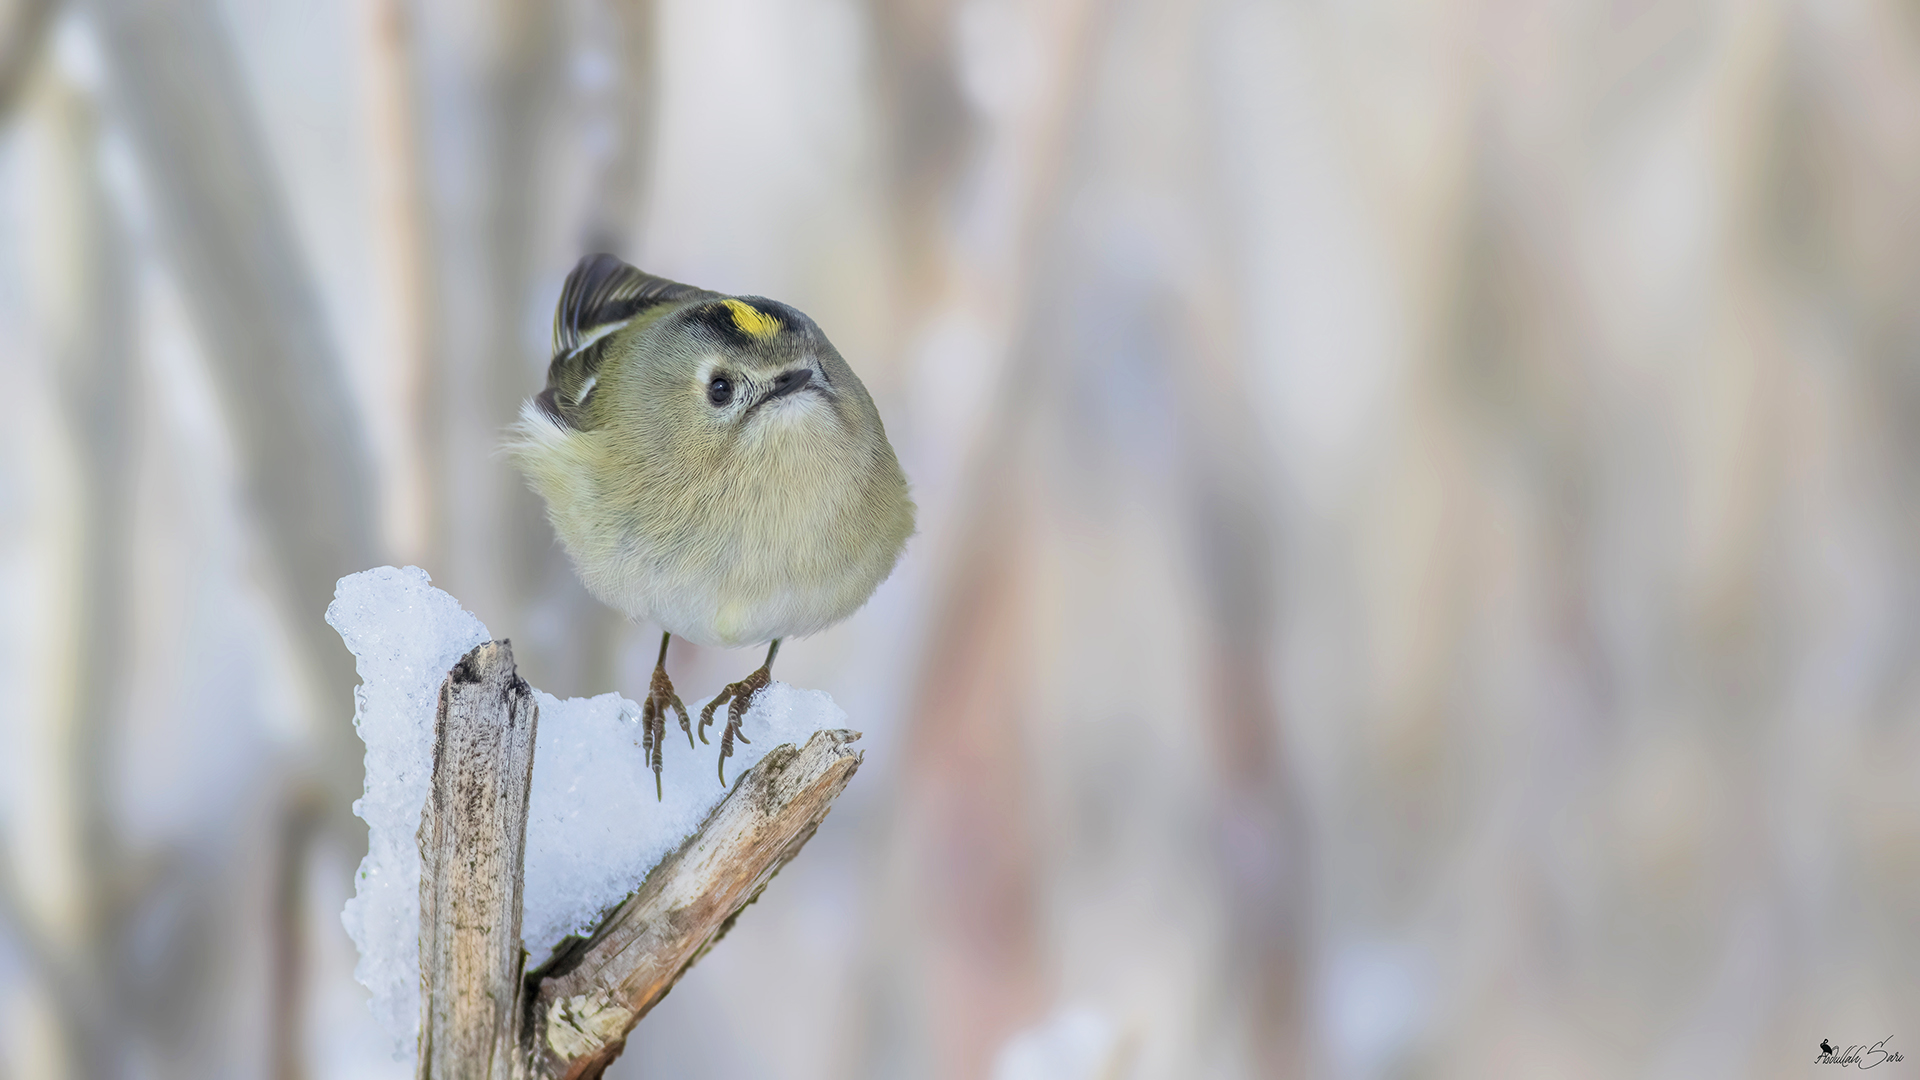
<point x="788" y="381"/>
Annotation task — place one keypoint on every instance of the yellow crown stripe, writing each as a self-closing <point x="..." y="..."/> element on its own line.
<point x="751" y="320"/>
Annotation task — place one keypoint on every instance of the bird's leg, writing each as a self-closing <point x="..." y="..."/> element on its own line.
<point x="653" y="715"/>
<point x="740" y="695"/>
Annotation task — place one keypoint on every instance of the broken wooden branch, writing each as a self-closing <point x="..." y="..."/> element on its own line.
<point x="570" y="1018"/>
<point x="473" y="842"/>
<point x="582" y="1003"/>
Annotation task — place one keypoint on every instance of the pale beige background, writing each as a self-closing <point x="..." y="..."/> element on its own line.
<point x="1419" y="566"/>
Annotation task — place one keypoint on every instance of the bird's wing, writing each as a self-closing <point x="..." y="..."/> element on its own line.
<point x="602" y="295"/>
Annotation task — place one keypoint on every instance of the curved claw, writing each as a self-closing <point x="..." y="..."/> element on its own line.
<point x="737" y="712"/>
<point x="686" y="722"/>
<point x="652" y="732"/>
<point x="653" y="717"/>
<point x="740" y="696"/>
<point x="706" y="712"/>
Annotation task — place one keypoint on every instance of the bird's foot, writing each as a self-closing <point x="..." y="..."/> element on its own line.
<point x="738" y="696"/>
<point x="653" y="720"/>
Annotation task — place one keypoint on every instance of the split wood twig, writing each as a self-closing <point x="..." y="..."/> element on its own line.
<point x="473" y="844"/>
<point x="480" y="1017"/>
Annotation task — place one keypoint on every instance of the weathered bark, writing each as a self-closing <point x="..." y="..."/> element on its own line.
<point x="582" y="1003"/>
<point x="479" y="1018"/>
<point x="473" y="842"/>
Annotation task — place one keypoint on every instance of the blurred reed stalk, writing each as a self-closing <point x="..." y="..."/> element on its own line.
<point x="962" y="844"/>
<point x="1263" y="845"/>
<point x="229" y="241"/>
<point x="966" y="793"/>
<point x="620" y="145"/>
<point x="228" y="238"/>
<point x="23" y="32"/>
<point x="416" y="506"/>
<point x="929" y="136"/>
<point x="94" y="305"/>
<point x="71" y="914"/>
<point x="522" y="62"/>
<point x="521" y="77"/>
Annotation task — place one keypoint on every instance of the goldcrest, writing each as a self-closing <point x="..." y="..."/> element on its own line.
<point x="713" y="466"/>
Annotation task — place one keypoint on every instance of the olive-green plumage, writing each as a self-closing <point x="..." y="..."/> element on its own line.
<point x="710" y="462"/>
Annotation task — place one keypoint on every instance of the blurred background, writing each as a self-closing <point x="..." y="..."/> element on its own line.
<point x="1419" y="557"/>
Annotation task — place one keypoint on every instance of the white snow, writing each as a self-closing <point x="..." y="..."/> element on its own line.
<point x="406" y="634"/>
<point x="1078" y="1042"/>
<point x="594" y="827"/>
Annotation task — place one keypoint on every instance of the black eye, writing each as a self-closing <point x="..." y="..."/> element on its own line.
<point x="720" y="390"/>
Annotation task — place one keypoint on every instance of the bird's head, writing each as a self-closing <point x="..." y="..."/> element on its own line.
<point x="701" y="380"/>
<point x="754" y="370"/>
<point x="738" y="380"/>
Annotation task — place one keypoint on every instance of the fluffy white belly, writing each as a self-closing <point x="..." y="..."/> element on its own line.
<point x="728" y="560"/>
<point x="728" y="606"/>
<point x="735" y="588"/>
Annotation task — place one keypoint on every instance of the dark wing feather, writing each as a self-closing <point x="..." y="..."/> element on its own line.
<point x="600" y="296"/>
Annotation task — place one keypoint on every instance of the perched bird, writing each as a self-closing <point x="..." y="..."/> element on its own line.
<point x="712" y="465"/>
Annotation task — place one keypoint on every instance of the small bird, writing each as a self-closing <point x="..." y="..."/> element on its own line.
<point x="712" y="465"/>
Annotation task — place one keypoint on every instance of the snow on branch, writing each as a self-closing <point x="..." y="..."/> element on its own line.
<point x="586" y="999"/>
<point x="498" y="813"/>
